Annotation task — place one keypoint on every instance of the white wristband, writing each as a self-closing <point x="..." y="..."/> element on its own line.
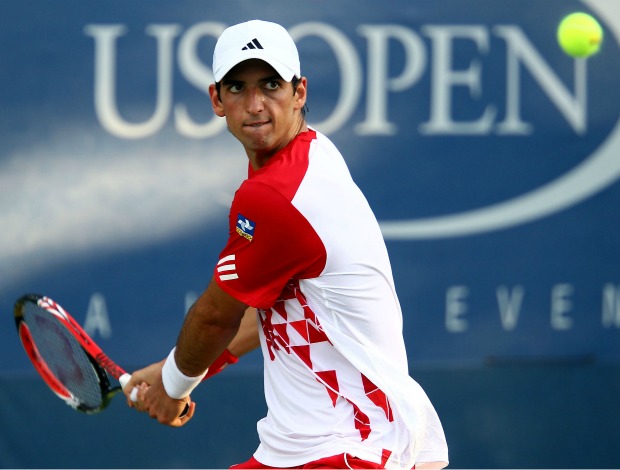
<point x="177" y="384"/>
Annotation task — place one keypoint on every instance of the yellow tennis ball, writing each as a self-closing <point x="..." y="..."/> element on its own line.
<point x="580" y="35"/>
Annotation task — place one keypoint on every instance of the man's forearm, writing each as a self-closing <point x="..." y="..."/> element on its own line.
<point x="209" y="327"/>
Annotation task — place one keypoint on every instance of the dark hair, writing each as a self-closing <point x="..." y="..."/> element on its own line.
<point x="294" y="82"/>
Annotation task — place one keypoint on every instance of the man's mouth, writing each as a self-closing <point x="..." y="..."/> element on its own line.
<point x="256" y="124"/>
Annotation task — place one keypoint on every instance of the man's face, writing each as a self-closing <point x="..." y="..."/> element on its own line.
<point x="261" y="110"/>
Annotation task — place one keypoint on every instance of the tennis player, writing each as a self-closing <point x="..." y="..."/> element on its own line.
<point x="306" y="254"/>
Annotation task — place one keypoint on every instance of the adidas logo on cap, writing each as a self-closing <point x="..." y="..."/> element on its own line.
<point x="253" y="44"/>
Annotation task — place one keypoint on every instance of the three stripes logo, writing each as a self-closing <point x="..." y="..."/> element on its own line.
<point x="253" y="44"/>
<point x="227" y="269"/>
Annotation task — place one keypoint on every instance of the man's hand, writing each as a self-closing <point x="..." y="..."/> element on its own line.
<point x="153" y="399"/>
<point x="209" y="328"/>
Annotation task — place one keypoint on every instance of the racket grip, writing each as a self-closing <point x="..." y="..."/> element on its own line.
<point x="133" y="396"/>
<point x="124" y="380"/>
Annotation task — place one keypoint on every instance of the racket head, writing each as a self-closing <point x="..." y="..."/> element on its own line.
<point x="54" y="347"/>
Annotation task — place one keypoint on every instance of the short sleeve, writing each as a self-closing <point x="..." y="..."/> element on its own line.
<point x="270" y="243"/>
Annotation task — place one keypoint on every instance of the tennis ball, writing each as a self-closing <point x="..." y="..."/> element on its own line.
<point x="580" y="35"/>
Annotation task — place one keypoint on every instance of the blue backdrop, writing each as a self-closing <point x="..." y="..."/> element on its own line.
<point x="490" y="158"/>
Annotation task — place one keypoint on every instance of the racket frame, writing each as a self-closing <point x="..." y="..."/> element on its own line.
<point x="101" y="363"/>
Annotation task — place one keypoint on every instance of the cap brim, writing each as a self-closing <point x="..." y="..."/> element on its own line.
<point x="285" y="72"/>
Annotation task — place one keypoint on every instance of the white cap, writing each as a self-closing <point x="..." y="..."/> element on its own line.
<point x="256" y="39"/>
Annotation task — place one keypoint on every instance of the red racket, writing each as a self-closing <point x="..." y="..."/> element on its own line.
<point x="69" y="361"/>
<point x="72" y="365"/>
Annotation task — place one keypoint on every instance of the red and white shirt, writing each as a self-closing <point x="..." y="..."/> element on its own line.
<point x="306" y="250"/>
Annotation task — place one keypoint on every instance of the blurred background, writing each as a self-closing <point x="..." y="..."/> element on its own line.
<point x="491" y="159"/>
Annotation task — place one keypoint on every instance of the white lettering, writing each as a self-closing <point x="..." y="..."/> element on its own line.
<point x="201" y="77"/>
<point x="105" y="79"/>
<point x="190" y="298"/>
<point x="560" y="306"/>
<point x="521" y="51"/>
<point x="611" y="306"/>
<point x="447" y="78"/>
<point x="349" y="67"/>
<point x="379" y="84"/>
<point x="97" y="318"/>
<point x="509" y="303"/>
<point x="444" y="79"/>
<point x="456" y="307"/>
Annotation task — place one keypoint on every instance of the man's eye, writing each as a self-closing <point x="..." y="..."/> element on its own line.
<point x="272" y="85"/>
<point x="234" y="88"/>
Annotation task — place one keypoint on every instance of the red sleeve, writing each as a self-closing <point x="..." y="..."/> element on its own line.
<point x="270" y="243"/>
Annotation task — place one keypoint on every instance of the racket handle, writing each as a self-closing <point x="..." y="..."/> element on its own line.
<point x="133" y="396"/>
<point x="124" y="380"/>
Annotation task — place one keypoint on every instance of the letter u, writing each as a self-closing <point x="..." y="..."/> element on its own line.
<point x="106" y="107"/>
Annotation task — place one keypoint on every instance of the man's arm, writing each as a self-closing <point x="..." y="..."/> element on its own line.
<point x="246" y="339"/>
<point x="209" y="327"/>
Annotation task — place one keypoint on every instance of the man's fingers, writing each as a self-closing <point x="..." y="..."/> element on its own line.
<point x="187" y="414"/>
<point x="135" y="396"/>
<point x="178" y="417"/>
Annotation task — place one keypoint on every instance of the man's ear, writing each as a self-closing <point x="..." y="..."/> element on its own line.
<point x="216" y="103"/>
<point x="301" y="93"/>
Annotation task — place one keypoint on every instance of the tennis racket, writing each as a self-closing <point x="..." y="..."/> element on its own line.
<point x="72" y="365"/>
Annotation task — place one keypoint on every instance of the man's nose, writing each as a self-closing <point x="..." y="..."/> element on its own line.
<point x="256" y="101"/>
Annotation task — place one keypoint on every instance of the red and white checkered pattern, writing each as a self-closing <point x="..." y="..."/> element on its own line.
<point x="284" y="333"/>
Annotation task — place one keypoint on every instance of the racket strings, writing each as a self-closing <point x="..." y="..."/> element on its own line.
<point x="64" y="356"/>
